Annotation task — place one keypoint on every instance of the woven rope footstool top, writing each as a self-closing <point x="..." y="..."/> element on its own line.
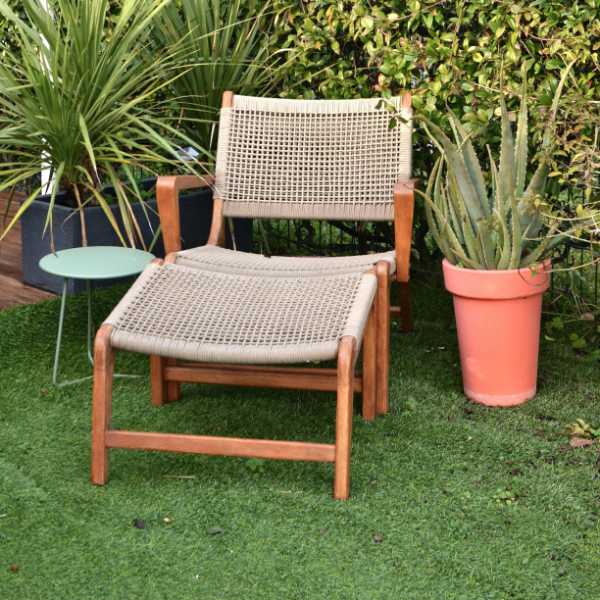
<point x="215" y="258"/>
<point x="199" y="315"/>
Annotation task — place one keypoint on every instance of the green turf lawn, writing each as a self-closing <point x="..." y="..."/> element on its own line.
<point x="449" y="500"/>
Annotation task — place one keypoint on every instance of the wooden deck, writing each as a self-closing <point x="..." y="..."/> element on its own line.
<point x="12" y="289"/>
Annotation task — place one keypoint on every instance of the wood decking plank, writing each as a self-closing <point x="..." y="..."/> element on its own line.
<point x="13" y="291"/>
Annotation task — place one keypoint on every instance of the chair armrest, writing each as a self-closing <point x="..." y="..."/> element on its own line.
<point x="404" y="208"/>
<point x="167" y="200"/>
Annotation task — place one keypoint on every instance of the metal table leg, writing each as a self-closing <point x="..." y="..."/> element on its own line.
<point x="61" y="320"/>
<point x="90" y="323"/>
<point x="90" y="338"/>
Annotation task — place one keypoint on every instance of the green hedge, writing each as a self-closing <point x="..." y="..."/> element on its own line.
<point x="451" y="53"/>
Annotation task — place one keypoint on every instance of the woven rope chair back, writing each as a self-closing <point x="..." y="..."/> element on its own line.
<point x="312" y="159"/>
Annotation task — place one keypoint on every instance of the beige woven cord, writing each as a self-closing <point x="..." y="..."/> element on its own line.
<point x="199" y="315"/>
<point x="215" y="258"/>
<point x="311" y="159"/>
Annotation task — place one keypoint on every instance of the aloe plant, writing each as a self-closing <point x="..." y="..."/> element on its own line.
<point x="82" y="91"/>
<point x="494" y="220"/>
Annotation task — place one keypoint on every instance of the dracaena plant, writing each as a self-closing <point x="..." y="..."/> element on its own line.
<point x="82" y="92"/>
<point x="500" y="219"/>
<point x="226" y="48"/>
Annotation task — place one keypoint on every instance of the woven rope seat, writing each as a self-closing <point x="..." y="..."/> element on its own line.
<point x="215" y="258"/>
<point x="312" y="159"/>
<point x="199" y="315"/>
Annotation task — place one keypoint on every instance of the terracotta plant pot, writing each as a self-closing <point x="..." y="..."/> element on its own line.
<point x="498" y="316"/>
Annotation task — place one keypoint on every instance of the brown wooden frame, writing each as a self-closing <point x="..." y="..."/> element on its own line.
<point x="168" y="189"/>
<point x="341" y="380"/>
<point x="168" y="374"/>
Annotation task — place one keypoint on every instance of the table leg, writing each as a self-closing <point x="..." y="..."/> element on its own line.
<point x="90" y="323"/>
<point x="61" y="320"/>
<point x="89" y="334"/>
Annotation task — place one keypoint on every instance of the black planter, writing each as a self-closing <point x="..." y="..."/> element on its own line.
<point x="195" y="211"/>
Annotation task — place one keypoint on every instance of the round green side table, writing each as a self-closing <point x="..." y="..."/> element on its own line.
<point x="90" y="263"/>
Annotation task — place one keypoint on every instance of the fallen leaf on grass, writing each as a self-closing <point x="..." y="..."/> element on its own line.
<point x="14" y="568"/>
<point x="216" y="531"/>
<point x="139" y="523"/>
<point x="377" y="538"/>
<point x="577" y="442"/>
<point x="580" y="429"/>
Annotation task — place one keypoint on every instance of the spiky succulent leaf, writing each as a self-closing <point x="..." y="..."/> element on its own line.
<point x="517" y="236"/>
<point x="446" y="237"/>
<point x="505" y="246"/>
<point x="487" y="259"/>
<point x="436" y="224"/>
<point x="457" y="166"/>
<point x="506" y="172"/>
<point x="549" y="129"/>
<point x="521" y="143"/>
<point x="551" y="240"/>
<point x="468" y="231"/>
<point x="472" y="164"/>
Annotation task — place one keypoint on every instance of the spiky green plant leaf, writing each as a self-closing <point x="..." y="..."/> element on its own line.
<point x="225" y="49"/>
<point x="467" y="151"/>
<point x="506" y="168"/>
<point x="82" y="88"/>
<point x="456" y="164"/>
<point x="521" y="143"/>
<point x="518" y="232"/>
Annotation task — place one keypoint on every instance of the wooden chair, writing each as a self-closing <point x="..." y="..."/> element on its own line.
<point x="211" y="315"/>
<point x="310" y="159"/>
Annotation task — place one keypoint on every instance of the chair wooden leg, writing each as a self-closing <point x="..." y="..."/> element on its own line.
<point x="343" y="419"/>
<point x="406" y="322"/>
<point x="157" y="380"/>
<point x="173" y="387"/>
<point x="383" y="336"/>
<point x="369" y="374"/>
<point x="104" y="362"/>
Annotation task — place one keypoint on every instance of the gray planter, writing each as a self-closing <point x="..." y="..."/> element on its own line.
<point x="195" y="210"/>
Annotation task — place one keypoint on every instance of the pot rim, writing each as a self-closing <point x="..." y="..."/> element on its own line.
<point x="497" y="284"/>
<point x="544" y="266"/>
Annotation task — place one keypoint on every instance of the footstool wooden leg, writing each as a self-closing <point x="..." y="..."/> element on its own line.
<point x="173" y="387"/>
<point x="382" y="271"/>
<point x="369" y="374"/>
<point x="343" y="418"/>
<point x="157" y="380"/>
<point x="104" y="363"/>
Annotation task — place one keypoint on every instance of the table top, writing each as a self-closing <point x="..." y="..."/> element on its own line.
<point x="96" y="262"/>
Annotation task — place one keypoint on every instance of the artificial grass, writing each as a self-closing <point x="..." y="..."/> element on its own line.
<point x="449" y="500"/>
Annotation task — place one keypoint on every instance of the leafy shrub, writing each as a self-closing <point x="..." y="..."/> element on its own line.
<point x="462" y="55"/>
<point x="451" y="54"/>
